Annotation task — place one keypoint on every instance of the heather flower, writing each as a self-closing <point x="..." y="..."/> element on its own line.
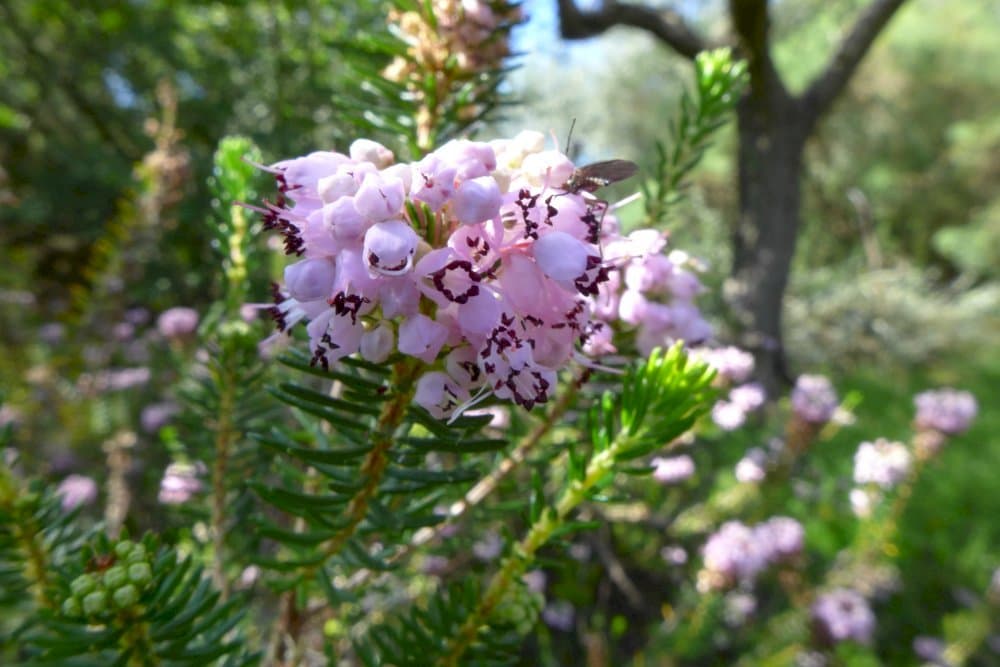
<point x="156" y="415"/>
<point x="177" y="322"/>
<point x="748" y="397"/>
<point x="674" y="554"/>
<point x="76" y="490"/>
<point x="782" y="538"/>
<point x="560" y="615"/>
<point x="752" y="468"/>
<point x="930" y="649"/>
<point x="948" y="411"/>
<point x="672" y="469"/>
<point x="728" y="416"/>
<point x="814" y="399"/>
<point x="863" y="502"/>
<point x="52" y="333"/>
<point x="882" y="462"/>
<point x="737" y="553"/>
<point x="180" y="482"/>
<point x="841" y="615"/>
<point x="731" y="364"/>
<point x="510" y="281"/>
<point x="488" y="548"/>
<point x="734" y="554"/>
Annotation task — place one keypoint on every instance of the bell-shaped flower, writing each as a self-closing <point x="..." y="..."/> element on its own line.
<point x="310" y="279"/>
<point x="301" y="175"/>
<point x="342" y="220"/>
<point x="473" y="159"/>
<point x="389" y="248"/>
<point x="421" y="337"/>
<point x="547" y="169"/>
<point x="366" y="150"/>
<point x="341" y="183"/>
<point x="476" y="200"/>
<point x="334" y="336"/>
<point x="376" y="344"/>
<point x="560" y="256"/>
<point x="462" y="364"/>
<point x="433" y="181"/>
<point x="379" y="197"/>
<point x="439" y="394"/>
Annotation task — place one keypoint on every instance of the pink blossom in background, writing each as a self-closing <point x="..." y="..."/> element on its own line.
<point x="949" y="411"/>
<point x="752" y="468"/>
<point x="728" y="416"/>
<point x="177" y="322"/>
<point x="181" y="481"/>
<point x="782" y="537"/>
<point x="76" y="490"/>
<point x="156" y="415"/>
<point x="882" y="463"/>
<point x="672" y="469"/>
<point x="841" y="615"/>
<point x="814" y="399"/>
<point x="734" y="552"/>
<point x="731" y="363"/>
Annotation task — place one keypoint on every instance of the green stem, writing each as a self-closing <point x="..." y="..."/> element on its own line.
<point x="225" y="434"/>
<point x="137" y="642"/>
<point x="27" y="534"/>
<point x="523" y="553"/>
<point x="372" y="470"/>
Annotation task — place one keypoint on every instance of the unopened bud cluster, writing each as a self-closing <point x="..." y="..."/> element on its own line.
<point x="96" y="595"/>
<point x="519" y="609"/>
<point x="477" y="260"/>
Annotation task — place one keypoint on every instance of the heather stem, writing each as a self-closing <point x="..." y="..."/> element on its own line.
<point x="523" y="553"/>
<point x="27" y="534"/>
<point x="225" y="434"/>
<point x="372" y="470"/>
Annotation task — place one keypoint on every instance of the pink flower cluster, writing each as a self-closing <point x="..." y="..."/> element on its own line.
<point x="476" y="260"/>
<point x="947" y="411"/>
<point x="814" y="399"/>
<point x="841" y="615"/>
<point x="733" y="368"/>
<point x="737" y="553"/>
<point x="882" y="463"/>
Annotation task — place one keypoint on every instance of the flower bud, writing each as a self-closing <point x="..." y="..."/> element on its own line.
<point x="126" y="596"/>
<point x="379" y="197"/>
<point x="338" y="185"/>
<point x="376" y="344"/>
<point x="71" y="608"/>
<point x="477" y="200"/>
<point x="85" y="583"/>
<point x="115" y="577"/>
<point x="124" y="548"/>
<point x="561" y="256"/>
<point x="389" y="248"/>
<point x="366" y="150"/>
<point x="140" y="574"/>
<point x="95" y="603"/>
<point x="310" y="279"/>
<point x="421" y="337"/>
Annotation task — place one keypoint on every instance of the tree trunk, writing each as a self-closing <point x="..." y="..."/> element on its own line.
<point x="772" y="134"/>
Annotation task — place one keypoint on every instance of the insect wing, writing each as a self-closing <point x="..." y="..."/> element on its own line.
<point x="590" y="177"/>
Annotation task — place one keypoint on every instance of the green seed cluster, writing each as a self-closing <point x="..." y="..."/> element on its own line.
<point x="519" y="609"/>
<point x="94" y="594"/>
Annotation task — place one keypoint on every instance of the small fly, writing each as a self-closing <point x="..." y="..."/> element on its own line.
<point x="592" y="177"/>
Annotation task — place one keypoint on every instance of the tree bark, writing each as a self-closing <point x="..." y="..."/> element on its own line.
<point x="771" y="143"/>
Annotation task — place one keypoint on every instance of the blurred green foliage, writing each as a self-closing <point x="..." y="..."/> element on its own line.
<point x="80" y="83"/>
